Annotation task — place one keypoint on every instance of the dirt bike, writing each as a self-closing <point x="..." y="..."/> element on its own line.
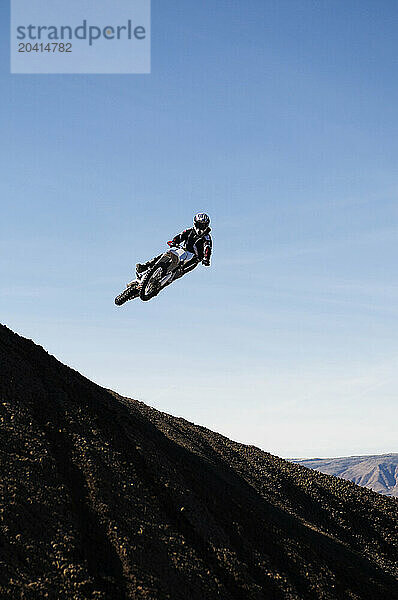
<point x="172" y="265"/>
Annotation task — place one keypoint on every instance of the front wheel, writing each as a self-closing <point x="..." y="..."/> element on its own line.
<point x="129" y="294"/>
<point x="151" y="282"/>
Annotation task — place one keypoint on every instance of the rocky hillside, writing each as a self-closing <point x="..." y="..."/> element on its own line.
<point x="102" y="497"/>
<point x="378" y="473"/>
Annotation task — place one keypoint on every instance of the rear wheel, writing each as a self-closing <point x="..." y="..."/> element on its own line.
<point x="150" y="284"/>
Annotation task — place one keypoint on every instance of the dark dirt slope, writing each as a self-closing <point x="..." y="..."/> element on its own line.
<point x="104" y="498"/>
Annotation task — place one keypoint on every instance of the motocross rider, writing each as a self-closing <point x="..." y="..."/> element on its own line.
<point x="196" y="239"/>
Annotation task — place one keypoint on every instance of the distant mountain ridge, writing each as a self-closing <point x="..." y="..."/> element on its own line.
<point x="376" y="472"/>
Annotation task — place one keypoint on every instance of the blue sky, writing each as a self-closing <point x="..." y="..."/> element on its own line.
<point x="279" y="119"/>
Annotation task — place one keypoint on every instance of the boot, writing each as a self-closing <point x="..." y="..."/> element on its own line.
<point x="140" y="269"/>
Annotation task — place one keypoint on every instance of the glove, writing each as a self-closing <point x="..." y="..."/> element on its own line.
<point x="170" y="243"/>
<point x="206" y="262"/>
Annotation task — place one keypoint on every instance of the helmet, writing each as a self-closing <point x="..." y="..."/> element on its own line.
<point x="201" y="222"/>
